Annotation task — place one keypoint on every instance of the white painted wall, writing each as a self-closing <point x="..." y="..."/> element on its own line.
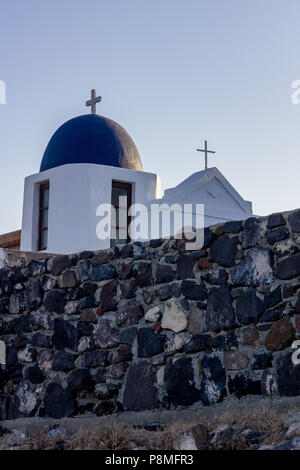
<point x="77" y="190"/>
<point x="75" y="193"/>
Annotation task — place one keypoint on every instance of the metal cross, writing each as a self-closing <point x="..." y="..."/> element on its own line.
<point x="206" y="152"/>
<point x="93" y="101"/>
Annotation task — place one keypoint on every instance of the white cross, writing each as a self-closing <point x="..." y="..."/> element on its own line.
<point x="93" y="101"/>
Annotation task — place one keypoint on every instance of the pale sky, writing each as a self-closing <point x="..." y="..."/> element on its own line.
<point x="173" y="73"/>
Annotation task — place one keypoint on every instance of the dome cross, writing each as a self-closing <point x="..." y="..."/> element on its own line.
<point x="93" y="101"/>
<point x="206" y="151"/>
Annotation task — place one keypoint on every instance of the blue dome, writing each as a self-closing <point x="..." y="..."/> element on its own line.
<point x="91" y="139"/>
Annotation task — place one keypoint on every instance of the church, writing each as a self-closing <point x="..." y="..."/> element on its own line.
<point x="90" y="178"/>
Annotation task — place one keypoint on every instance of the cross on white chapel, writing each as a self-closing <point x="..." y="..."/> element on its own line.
<point x="93" y="101"/>
<point x="206" y="151"/>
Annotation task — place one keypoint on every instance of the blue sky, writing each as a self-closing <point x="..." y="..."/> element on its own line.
<point x="173" y="73"/>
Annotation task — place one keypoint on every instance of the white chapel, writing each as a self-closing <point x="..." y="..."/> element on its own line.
<point x="91" y="163"/>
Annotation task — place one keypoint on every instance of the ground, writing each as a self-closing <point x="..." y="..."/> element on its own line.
<point x="250" y="423"/>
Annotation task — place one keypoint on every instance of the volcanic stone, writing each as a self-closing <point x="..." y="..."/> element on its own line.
<point x="55" y="301"/>
<point x="164" y="273"/>
<point x="219" y="314"/>
<point x="289" y="267"/>
<point x="58" y="402"/>
<point x="104" y="335"/>
<point x="224" y="250"/>
<point x="294" y="220"/>
<point x="185" y="267"/>
<point x="213" y="384"/>
<point x="140" y="391"/>
<point x="80" y="379"/>
<point x="280" y="335"/>
<point x="63" y="361"/>
<point x="235" y="360"/>
<point x="249" y="307"/>
<point x="130" y="313"/>
<point x="94" y="359"/>
<point x="251" y="233"/>
<point x="179" y="382"/>
<point x="193" y="291"/>
<point x="149" y="342"/>
<point x="142" y="272"/>
<point x="277" y="234"/>
<point x="65" y="335"/>
<point x="101" y="273"/>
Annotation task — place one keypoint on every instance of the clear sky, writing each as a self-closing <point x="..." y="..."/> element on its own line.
<point x="172" y="72"/>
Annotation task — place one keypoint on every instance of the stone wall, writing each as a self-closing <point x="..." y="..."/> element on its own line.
<point x="147" y="326"/>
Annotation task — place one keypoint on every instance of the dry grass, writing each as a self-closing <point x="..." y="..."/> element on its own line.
<point x="118" y="436"/>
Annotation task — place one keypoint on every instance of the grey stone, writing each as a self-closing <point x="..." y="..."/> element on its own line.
<point x="129" y="313"/>
<point x="252" y="233"/>
<point x="58" y="402"/>
<point x="249" y="307"/>
<point x="63" y="361"/>
<point x="255" y="269"/>
<point x="102" y="273"/>
<point x="54" y="301"/>
<point x="104" y="335"/>
<point x="294" y="220"/>
<point x="289" y="267"/>
<point x="65" y="335"/>
<point x="25" y="399"/>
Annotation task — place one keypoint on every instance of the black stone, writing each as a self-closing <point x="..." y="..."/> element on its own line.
<point x="60" y="263"/>
<point x="209" y="237"/>
<point x="127" y="335"/>
<point x="102" y="273"/>
<point x="193" y="291"/>
<point x="58" y="402"/>
<point x="74" y="294"/>
<point x="249" y="307"/>
<point x="288" y="376"/>
<point x="89" y="289"/>
<point x="108" y="295"/>
<point x="128" y="288"/>
<point x="224" y="250"/>
<point x="142" y="272"/>
<point x="294" y="220"/>
<point x="219" y="314"/>
<point x="125" y="271"/>
<point x="104" y="407"/>
<point x="164" y="273"/>
<point x="215" y="276"/>
<point x="213" y="384"/>
<point x="149" y="342"/>
<point x="87" y="302"/>
<point x="276" y="313"/>
<point x="34" y="374"/>
<point x="40" y="340"/>
<point x="171" y="258"/>
<point x="33" y="294"/>
<point x="199" y="342"/>
<point x="54" y="301"/>
<point x="289" y="267"/>
<point x="126" y="251"/>
<point x="234" y="226"/>
<point x="243" y="384"/>
<point x="262" y="361"/>
<point x="63" y="361"/>
<point x="185" y="267"/>
<point x="179" y="382"/>
<point x="80" y="379"/>
<point x="227" y="342"/>
<point x="97" y="358"/>
<point x="273" y="298"/>
<point x="276" y="220"/>
<point x="140" y="391"/>
<point x="166" y="291"/>
<point x="251" y="233"/>
<point x="277" y="234"/>
<point x="156" y="243"/>
<point x="65" y="335"/>
<point x="6" y="407"/>
<point x="36" y="268"/>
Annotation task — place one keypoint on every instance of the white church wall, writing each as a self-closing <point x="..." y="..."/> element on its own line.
<point x="75" y="193"/>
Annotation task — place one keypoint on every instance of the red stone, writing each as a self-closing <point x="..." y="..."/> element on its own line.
<point x="205" y="263"/>
<point x="156" y="326"/>
<point x="99" y="312"/>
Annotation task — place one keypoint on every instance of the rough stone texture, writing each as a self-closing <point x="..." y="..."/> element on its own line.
<point x="173" y="318"/>
<point x="220" y="314"/>
<point x="140" y="392"/>
<point x="249" y="307"/>
<point x="152" y="324"/>
<point x="179" y="380"/>
<point x="224" y="250"/>
<point x="281" y="335"/>
<point x="213" y="381"/>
